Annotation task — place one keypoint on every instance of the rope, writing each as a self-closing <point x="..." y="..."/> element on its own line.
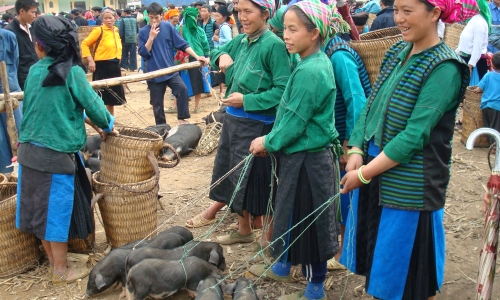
<point x="196" y="198"/>
<point x="203" y="236"/>
<point x="122" y="101"/>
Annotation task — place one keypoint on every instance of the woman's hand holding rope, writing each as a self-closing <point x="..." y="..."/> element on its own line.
<point x="234" y="100"/>
<point x="257" y="147"/>
<point x="224" y="62"/>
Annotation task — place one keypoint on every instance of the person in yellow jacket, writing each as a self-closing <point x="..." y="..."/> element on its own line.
<point x="105" y="63"/>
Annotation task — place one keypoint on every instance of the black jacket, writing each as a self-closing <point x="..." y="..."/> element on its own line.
<point x="27" y="53"/>
<point x="81" y="21"/>
<point x="384" y="19"/>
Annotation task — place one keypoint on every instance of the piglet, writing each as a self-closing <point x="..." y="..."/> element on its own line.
<point x="208" y="251"/>
<point x="208" y="289"/>
<point x="241" y="290"/>
<point x="111" y="268"/>
<point x="159" y="278"/>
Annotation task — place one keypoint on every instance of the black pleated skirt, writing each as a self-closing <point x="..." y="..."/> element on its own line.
<point x="236" y="137"/>
<point x="105" y="69"/>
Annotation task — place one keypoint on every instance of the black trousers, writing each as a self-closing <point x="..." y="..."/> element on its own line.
<point x="157" y="93"/>
<point x="481" y="65"/>
<point x="129" y="57"/>
<point x="491" y="119"/>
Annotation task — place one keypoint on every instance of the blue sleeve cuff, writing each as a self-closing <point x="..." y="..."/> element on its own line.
<point x="84" y="116"/>
<point x="111" y="124"/>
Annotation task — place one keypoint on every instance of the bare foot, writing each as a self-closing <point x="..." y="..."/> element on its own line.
<point x="182" y="122"/>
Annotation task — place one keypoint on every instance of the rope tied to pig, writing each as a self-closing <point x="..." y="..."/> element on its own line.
<point x="245" y="161"/>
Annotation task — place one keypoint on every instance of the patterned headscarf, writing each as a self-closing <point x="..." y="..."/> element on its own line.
<point x="277" y="21"/>
<point x="319" y="14"/>
<point x="338" y="25"/>
<point x="454" y="11"/>
<point x="266" y="5"/>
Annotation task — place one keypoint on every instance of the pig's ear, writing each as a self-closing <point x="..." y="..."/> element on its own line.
<point x="199" y="285"/>
<point x="214" y="258"/>
<point x="99" y="281"/>
<point x="229" y="288"/>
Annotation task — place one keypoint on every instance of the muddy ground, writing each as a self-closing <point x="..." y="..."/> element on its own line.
<point x="180" y="185"/>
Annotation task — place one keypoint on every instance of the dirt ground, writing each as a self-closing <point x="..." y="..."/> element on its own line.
<point x="181" y="185"/>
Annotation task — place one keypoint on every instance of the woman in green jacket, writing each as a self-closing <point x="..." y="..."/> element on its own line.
<point x="257" y="70"/>
<point x="400" y="154"/>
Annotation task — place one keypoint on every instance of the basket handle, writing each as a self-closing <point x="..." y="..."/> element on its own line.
<point x="153" y="161"/>
<point x="96" y="199"/>
<point x="170" y="164"/>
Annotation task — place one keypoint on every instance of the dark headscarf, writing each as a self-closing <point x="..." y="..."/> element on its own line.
<point x="60" y="41"/>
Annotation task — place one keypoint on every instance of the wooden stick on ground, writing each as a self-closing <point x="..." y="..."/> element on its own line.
<point x="11" y="123"/>
<point x="99" y="84"/>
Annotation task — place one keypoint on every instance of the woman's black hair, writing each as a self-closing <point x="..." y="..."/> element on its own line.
<point x="428" y="5"/>
<point x="303" y="17"/>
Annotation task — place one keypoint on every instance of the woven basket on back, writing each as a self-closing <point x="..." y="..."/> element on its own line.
<point x="372" y="52"/>
<point x="3" y="178"/>
<point x="472" y="117"/>
<point x="19" y="251"/>
<point x="124" y="157"/>
<point x="371" y="17"/>
<point x="83" y="33"/>
<point x="381" y="33"/>
<point x="128" y="210"/>
<point x="209" y="139"/>
<point x="452" y="34"/>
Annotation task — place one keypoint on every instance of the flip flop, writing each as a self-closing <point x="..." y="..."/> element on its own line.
<point x="199" y="221"/>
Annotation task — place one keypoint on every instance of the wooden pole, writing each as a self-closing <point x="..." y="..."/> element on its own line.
<point x="99" y="84"/>
<point x="11" y="123"/>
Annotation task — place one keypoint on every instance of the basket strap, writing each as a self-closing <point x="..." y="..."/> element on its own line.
<point x="170" y="164"/>
<point x="96" y="199"/>
<point x="470" y="114"/>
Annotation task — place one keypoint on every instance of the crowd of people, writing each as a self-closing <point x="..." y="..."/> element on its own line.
<point x="361" y="167"/>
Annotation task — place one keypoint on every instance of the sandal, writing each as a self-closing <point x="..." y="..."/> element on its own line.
<point x="80" y="272"/>
<point x="197" y="110"/>
<point x="199" y="221"/>
<point x="333" y="264"/>
<point x="170" y="110"/>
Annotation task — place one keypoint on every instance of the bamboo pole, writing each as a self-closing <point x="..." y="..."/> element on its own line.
<point x="11" y="123"/>
<point x="99" y="84"/>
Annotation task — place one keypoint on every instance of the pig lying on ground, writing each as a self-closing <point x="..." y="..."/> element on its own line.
<point x="161" y="129"/>
<point x="159" y="278"/>
<point x="215" y="116"/>
<point x="183" y="139"/>
<point x="241" y="290"/>
<point x="111" y="268"/>
<point x="207" y="290"/>
<point x="208" y="251"/>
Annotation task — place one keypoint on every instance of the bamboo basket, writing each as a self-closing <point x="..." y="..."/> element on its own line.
<point x="371" y="17"/>
<point x="3" y="178"/>
<point x="83" y="33"/>
<point x="128" y="210"/>
<point x="209" y="139"/>
<point x="373" y="51"/>
<point x="381" y="33"/>
<point x="124" y="157"/>
<point x="19" y="251"/>
<point x="452" y="34"/>
<point x="472" y="118"/>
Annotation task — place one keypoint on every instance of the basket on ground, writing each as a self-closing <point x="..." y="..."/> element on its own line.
<point x="124" y="157"/>
<point x="209" y="139"/>
<point x="452" y="34"/>
<point x="128" y="210"/>
<point x="373" y="51"/>
<point x="19" y="251"/>
<point x="472" y="117"/>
